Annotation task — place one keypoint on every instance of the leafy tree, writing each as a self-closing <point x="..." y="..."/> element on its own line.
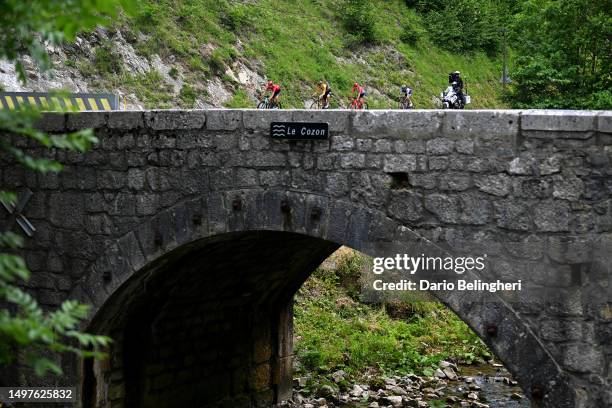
<point x="24" y="326"/>
<point x="463" y="25"/>
<point x="565" y="54"/>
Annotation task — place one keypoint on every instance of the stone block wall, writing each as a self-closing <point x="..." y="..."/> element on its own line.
<point x="533" y="188"/>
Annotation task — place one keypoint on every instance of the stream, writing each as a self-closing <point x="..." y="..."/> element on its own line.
<point x="496" y="391"/>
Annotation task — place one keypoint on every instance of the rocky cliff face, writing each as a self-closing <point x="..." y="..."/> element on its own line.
<point x="70" y="74"/>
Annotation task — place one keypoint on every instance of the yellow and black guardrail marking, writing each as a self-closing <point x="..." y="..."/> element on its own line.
<point x="49" y="101"/>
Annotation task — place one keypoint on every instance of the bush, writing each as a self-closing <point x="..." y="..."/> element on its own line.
<point x="240" y="99"/>
<point x="188" y="96"/>
<point x="237" y="18"/>
<point x="462" y="25"/>
<point x="601" y="100"/>
<point x="410" y="34"/>
<point x="216" y="61"/>
<point x="359" y="20"/>
<point x="106" y="61"/>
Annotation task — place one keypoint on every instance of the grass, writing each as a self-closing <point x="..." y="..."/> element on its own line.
<point x="335" y="331"/>
<point x="239" y="100"/>
<point x="299" y="43"/>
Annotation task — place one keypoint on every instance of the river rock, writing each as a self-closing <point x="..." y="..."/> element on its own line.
<point x="516" y="396"/>
<point x="339" y="376"/>
<point x="439" y="373"/>
<point x="321" y="402"/>
<point x="447" y="364"/>
<point x="394" y="400"/>
<point x="327" y="391"/>
<point x="397" y="390"/>
<point x="300" y="382"/>
<point x="357" y="391"/>
<point x="450" y="374"/>
<point x="373" y="405"/>
<point x="472" y="396"/>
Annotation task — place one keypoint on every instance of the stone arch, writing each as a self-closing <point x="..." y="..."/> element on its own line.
<point x="328" y="223"/>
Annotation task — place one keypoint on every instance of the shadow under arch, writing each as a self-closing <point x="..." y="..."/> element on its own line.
<point x="253" y="249"/>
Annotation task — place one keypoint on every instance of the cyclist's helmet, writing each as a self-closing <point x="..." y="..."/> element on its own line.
<point x="320" y="82"/>
<point x="403" y="88"/>
<point x="355" y="86"/>
<point x="270" y="85"/>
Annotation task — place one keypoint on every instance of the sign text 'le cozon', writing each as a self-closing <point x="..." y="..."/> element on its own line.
<point x="299" y="131"/>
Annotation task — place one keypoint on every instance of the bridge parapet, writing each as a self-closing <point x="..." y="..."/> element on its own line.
<point x="160" y="183"/>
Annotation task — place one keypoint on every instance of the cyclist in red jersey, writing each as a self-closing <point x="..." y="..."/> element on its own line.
<point x="275" y="88"/>
<point x="360" y="92"/>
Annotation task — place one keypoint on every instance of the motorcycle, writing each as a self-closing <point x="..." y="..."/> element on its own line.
<point x="451" y="100"/>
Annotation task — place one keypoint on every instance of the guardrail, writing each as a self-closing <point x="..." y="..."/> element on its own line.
<point x="47" y="101"/>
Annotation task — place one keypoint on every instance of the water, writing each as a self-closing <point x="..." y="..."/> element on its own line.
<point x="494" y="392"/>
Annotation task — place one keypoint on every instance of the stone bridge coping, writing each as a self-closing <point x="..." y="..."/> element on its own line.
<point x="528" y="123"/>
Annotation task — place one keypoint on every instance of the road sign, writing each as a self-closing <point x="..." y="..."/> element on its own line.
<point x="299" y="131"/>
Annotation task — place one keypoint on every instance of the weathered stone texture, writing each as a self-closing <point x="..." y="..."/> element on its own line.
<point x="139" y="224"/>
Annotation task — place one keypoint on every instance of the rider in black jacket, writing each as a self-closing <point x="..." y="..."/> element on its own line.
<point x="454" y="79"/>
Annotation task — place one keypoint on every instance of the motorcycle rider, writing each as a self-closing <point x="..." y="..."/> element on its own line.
<point x="454" y="79"/>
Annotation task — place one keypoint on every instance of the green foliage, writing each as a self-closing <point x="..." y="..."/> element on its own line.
<point x="216" y="61"/>
<point x="27" y="24"/>
<point x="410" y="33"/>
<point x="464" y="25"/>
<point x="565" y="54"/>
<point x="188" y="96"/>
<point x="240" y="99"/>
<point x="149" y="87"/>
<point x="29" y="329"/>
<point x="359" y="20"/>
<point x="237" y="17"/>
<point x="296" y="44"/>
<point x="25" y="329"/>
<point x="336" y="332"/>
<point x="106" y="61"/>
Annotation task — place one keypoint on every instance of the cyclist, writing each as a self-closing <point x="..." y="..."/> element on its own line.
<point x="324" y="91"/>
<point x="406" y="95"/>
<point x="360" y="92"/>
<point x="275" y="88"/>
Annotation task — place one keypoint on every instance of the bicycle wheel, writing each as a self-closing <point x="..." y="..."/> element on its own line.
<point x="314" y="105"/>
<point x="364" y="106"/>
<point x="262" y="105"/>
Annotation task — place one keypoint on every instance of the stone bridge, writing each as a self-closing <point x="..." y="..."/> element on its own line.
<point x="190" y="231"/>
